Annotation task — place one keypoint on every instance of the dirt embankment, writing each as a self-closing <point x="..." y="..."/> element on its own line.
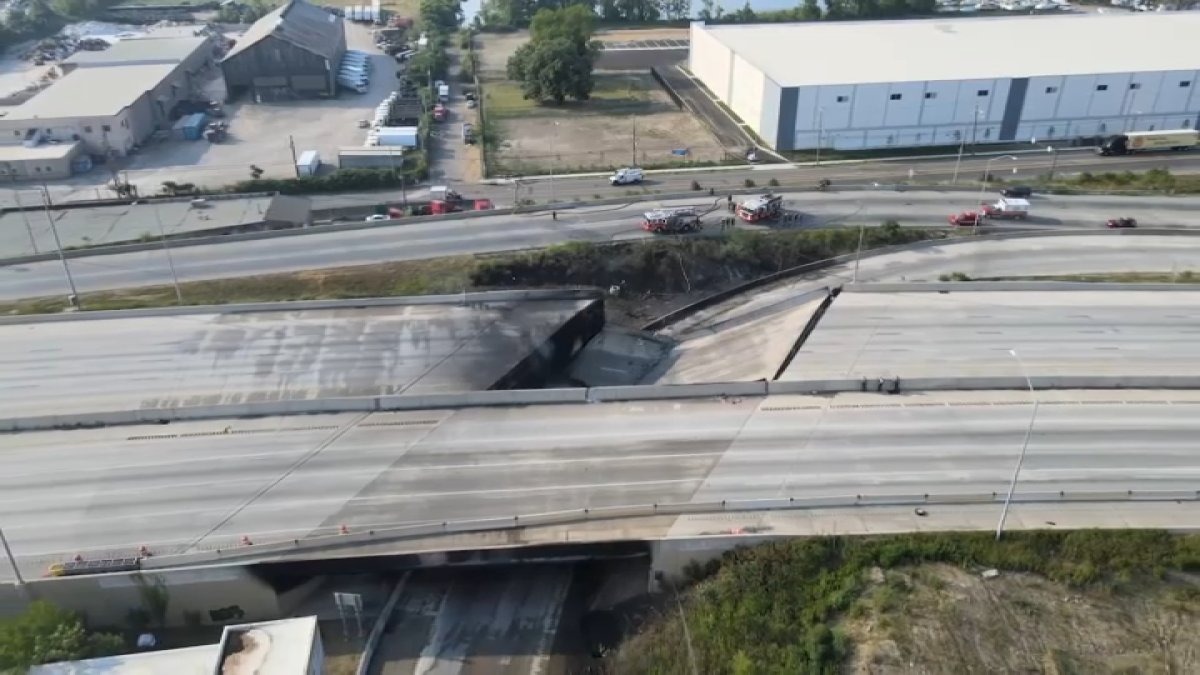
<point x="943" y="620"/>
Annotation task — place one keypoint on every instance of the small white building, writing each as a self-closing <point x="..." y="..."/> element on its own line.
<point x="284" y="647"/>
<point x="879" y="84"/>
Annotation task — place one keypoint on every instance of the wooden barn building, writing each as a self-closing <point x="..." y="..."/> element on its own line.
<point x="293" y="52"/>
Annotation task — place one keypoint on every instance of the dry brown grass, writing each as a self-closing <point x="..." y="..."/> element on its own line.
<point x="942" y="620"/>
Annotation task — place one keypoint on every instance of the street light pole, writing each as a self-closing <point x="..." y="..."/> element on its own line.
<point x="1012" y="486"/>
<point x="553" y="165"/>
<point x="162" y="233"/>
<point x="862" y="230"/>
<point x="820" y="130"/>
<point x="12" y="561"/>
<point x="1054" y="161"/>
<point x="75" y="300"/>
<point x="987" y="175"/>
<point x="25" y="217"/>
<point x="962" y="144"/>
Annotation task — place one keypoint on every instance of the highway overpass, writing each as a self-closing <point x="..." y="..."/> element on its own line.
<point x="295" y="250"/>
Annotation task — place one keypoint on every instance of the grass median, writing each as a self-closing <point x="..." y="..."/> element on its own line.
<point x="654" y="276"/>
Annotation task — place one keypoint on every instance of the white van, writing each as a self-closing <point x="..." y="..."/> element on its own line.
<point x="627" y="176"/>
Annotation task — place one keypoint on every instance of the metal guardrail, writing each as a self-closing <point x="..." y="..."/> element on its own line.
<point x="248" y="553"/>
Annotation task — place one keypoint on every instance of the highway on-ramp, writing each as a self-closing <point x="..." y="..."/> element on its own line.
<point x="203" y="485"/>
<point x="317" y="250"/>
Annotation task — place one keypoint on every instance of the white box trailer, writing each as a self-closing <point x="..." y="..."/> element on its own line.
<point x="1148" y="141"/>
<point x="397" y="136"/>
<point x="308" y="164"/>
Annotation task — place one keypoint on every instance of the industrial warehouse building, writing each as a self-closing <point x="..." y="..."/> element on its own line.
<point x="293" y="52"/>
<point x="880" y="84"/>
<point x="104" y="104"/>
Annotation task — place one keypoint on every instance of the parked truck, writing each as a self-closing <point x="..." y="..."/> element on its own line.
<point x="671" y="221"/>
<point x="1149" y="141"/>
<point x="443" y="92"/>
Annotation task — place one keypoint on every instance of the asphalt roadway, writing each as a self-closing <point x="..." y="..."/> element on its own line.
<point x="508" y="232"/>
<point x="204" y="485"/>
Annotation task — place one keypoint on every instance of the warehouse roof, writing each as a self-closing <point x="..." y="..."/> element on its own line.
<point x="309" y="28"/>
<point x="92" y="92"/>
<point x="860" y="52"/>
<point x="141" y="51"/>
<point x="51" y="151"/>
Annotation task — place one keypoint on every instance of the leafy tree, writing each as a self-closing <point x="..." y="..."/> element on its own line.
<point x="552" y="69"/>
<point x="810" y="10"/>
<point x="575" y="23"/>
<point x="557" y="62"/>
<point x="45" y="633"/>
<point x="441" y="15"/>
<point x="675" y="9"/>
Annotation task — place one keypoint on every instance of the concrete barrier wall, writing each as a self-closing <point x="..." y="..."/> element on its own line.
<point x="676" y="391"/>
<point x="1011" y="286"/>
<point x="214" y="595"/>
<point x="477" y="298"/>
<point x="526" y="397"/>
<point x="326" y="545"/>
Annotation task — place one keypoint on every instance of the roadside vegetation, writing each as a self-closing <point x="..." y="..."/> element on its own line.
<point x="915" y="604"/>
<point x="1155" y="180"/>
<point x="44" y="633"/>
<point x="653" y="276"/>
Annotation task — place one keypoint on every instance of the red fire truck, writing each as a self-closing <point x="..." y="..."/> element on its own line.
<point x="671" y="221"/>
<point x="763" y="207"/>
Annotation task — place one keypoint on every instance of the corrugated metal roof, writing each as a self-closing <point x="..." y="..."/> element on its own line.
<point x="141" y="50"/>
<point x="862" y="52"/>
<point x="92" y="92"/>
<point x="298" y="23"/>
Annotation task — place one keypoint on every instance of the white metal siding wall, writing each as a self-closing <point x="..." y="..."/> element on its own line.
<point x="710" y="61"/>
<point x="771" y="98"/>
<point x="860" y="116"/>
<point x="746" y="95"/>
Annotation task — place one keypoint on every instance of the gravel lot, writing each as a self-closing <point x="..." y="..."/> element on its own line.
<point x="259" y="133"/>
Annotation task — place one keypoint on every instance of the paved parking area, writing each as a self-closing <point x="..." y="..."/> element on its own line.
<point x="644" y="44"/>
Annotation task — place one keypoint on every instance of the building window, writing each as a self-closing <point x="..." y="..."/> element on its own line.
<point x="982" y="92"/>
<point x="38" y="169"/>
<point x="48" y="169"/>
<point x="1185" y="83"/>
<point x="105" y="127"/>
<point x="87" y="129"/>
<point x="896" y="97"/>
<point x="125" y="123"/>
<point x="1050" y="132"/>
<point x="930" y="94"/>
<point x="1102" y="87"/>
<point x="987" y="132"/>
<point x="1135" y="85"/>
<point x="1051" y="90"/>
<point x="843" y="99"/>
<point x="16" y="132"/>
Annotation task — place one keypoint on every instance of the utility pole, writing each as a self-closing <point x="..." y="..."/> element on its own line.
<point x="12" y="562"/>
<point x="292" y="146"/>
<point x="74" y="298"/>
<point x="25" y="217"/>
<point x="170" y="261"/>
<point x="820" y="129"/>
<point x="634" y="161"/>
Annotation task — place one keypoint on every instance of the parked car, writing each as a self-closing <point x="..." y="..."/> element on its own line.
<point x="1020" y="191"/>
<point x="1116" y="223"/>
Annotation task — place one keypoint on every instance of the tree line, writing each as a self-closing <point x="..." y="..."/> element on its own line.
<point x="520" y="13"/>
<point x="557" y="62"/>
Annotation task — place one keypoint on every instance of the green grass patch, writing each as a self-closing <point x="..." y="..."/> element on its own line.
<point x="1153" y="180"/>
<point x="774" y="608"/>
<point x="656" y="266"/>
<point x="614" y="94"/>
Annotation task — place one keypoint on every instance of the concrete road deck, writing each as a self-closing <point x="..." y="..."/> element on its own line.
<point x="969" y="334"/>
<point x="204" y="485"/>
<point x="228" y="356"/>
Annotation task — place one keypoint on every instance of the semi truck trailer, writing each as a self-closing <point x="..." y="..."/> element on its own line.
<point x="1149" y="141"/>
